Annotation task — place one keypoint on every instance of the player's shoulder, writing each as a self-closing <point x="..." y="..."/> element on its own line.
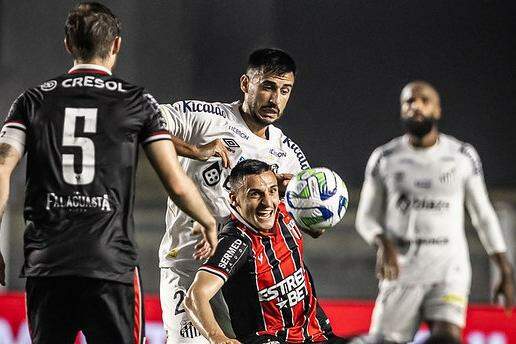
<point x="231" y="231"/>
<point x="288" y="145"/>
<point x="464" y="150"/>
<point x="203" y="108"/>
<point x="389" y="149"/>
<point x="454" y="145"/>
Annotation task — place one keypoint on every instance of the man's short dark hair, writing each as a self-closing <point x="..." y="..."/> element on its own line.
<point x="271" y="61"/>
<point x="245" y="168"/>
<point x="90" y="30"/>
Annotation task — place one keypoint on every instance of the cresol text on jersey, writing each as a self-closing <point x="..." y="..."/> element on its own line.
<point x="85" y="81"/>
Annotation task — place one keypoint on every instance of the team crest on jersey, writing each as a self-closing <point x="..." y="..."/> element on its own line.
<point x="49" y="85"/>
<point x="188" y="330"/>
<point x="448" y="176"/>
<point x="291" y="225"/>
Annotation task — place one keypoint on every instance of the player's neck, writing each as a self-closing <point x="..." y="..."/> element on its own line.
<point x="256" y="128"/>
<point x="96" y="61"/>
<point x="426" y="141"/>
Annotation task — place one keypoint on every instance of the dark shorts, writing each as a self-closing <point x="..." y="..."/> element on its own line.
<point x="105" y="311"/>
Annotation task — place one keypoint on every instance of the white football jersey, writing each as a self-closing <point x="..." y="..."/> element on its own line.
<point x="417" y="196"/>
<point x="199" y="123"/>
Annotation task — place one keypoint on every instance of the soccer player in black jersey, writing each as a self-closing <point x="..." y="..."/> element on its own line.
<point x="81" y="132"/>
<point x="259" y="266"/>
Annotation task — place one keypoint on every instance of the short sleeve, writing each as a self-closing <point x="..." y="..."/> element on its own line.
<point x="230" y="255"/>
<point x="15" y="126"/>
<point x="154" y="129"/>
<point x="184" y="123"/>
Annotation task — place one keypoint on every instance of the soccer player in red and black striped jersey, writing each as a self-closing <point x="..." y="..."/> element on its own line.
<point x="81" y="132"/>
<point x="259" y="265"/>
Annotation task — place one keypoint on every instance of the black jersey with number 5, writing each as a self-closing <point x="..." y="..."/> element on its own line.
<point x="81" y="132"/>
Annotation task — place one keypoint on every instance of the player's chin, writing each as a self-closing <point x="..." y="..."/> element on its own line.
<point x="268" y="118"/>
<point x="265" y="221"/>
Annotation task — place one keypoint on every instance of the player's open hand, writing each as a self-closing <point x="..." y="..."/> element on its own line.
<point x="504" y="291"/>
<point x="387" y="266"/>
<point x="206" y="246"/>
<point x="2" y="270"/>
<point x="214" y="148"/>
<point x="283" y="179"/>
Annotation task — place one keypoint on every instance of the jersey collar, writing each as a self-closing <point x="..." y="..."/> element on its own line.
<point x="89" y="68"/>
<point x="236" y="106"/>
<point x="427" y="151"/>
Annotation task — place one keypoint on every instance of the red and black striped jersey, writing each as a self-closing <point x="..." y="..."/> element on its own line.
<point x="81" y="132"/>
<point x="267" y="286"/>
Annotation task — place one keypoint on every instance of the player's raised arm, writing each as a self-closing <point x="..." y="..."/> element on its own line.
<point x="181" y="189"/>
<point x="486" y="223"/>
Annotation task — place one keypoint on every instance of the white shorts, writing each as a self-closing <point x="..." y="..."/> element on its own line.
<point x="178" y="326"/>
<point x="400" y="308"/>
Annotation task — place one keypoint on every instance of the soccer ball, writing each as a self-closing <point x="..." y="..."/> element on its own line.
<point x="317" y="198"/>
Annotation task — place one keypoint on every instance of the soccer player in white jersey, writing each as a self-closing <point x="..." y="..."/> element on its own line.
<point x="213" y="137"/>
<point x="412" y="207"/>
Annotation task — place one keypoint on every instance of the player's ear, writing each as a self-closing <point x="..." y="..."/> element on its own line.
<point x="438" y="113"/>
<point x="67" y="47"/>
<point x="233" y="199"/>
<point x="117" y="43"/>
<point x="244" y="83"/>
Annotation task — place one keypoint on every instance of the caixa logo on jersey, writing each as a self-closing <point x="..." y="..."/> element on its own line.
<point x="404" y="203"/>
<point x="288" y="292"/>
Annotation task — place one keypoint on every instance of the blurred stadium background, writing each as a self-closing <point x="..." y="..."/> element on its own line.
<point x="353" y="59"/>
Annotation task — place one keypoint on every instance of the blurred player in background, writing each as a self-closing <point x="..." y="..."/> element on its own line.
<point x="81" y="132"/>
<point x="412" y="207"/>
<point x="215" y="136"/>
<point x="259" y="265"/>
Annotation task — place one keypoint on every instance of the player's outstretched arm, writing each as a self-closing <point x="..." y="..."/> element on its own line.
<point x="202" y="152"/>
<point x="197" y="304"/>
<point x="9" y="158"/>
<point x="181" y="189"/>
<point x="485" y="221"/>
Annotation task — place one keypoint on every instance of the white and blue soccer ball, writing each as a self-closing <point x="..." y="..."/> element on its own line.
<point x="317" y="198"/>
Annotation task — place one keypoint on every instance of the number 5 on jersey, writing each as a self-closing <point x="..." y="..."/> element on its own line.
<point x="87" y="171"/>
